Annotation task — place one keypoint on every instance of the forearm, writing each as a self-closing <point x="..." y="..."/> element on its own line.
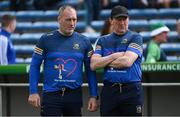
<point x="100" y="62"/>
<point x="34" y="73"/>
<point x="124" y="61"/>
<point x="121" y="62"/>
<point x="91" y="78"/>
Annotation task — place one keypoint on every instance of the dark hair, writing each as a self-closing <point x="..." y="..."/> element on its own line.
<point x="106" y="28"/>
<point x="7" y="19"/>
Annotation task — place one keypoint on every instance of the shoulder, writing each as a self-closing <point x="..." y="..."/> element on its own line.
<point x="106" y="37"/>
<point x="49" y="34"/>
<point x="81" y="38"/>
<point x="134" y="34"/>
<point x="153" y="46"/>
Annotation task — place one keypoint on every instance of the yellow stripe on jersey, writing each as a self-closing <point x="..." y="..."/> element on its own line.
<point x="136" y="46"/>
<point x="38" y="51"/>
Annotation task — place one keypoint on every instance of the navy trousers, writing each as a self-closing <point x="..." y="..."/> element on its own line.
<point x="59" y="103"/>
<point x="121" y="99"/>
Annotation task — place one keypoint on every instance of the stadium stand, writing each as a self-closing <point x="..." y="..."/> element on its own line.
<point x="149" y="13"/>
<point x="32" y="24"/>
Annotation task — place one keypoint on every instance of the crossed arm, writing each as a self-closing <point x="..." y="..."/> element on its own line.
<point x="115" y="60"/>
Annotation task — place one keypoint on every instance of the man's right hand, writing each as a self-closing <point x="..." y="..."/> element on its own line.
<point x="34" y="99"/>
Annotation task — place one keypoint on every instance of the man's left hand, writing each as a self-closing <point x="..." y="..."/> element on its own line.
<point x="92" y="104"/>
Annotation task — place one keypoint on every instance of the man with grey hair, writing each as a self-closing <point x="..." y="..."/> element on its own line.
<point x="63" y="52"/>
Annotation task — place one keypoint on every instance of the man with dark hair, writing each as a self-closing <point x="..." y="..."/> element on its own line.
<point x="63" y="52"/>
<point x="7" y="52"/>
<point x="120" y="54"/>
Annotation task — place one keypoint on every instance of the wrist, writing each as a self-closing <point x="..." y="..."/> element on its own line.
<point x="96" y="97"/>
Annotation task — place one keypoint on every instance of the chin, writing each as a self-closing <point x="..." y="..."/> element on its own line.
<point x="69" y="32"/>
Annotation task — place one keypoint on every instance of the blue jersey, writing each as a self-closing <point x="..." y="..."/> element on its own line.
<point x="63" y="62"/>
<point x="112" y="43"/>
<point x="7" y="51"/>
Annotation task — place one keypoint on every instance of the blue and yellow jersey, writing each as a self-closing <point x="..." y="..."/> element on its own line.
<point x="112" y="43"/>
<point x="63" y="58"/>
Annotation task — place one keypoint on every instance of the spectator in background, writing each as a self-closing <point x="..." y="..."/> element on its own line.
<point x="153" y="52"/>
<point x="63" y="52"/>
<point x="120" y="55"/>
<point x="18" y="5"/>
<point x="168" y="3"/>
<point x="93" y="9"/>
<point x="45" y="4"/>
<point x="107" y="27"/>
<point x="7" y="51"/>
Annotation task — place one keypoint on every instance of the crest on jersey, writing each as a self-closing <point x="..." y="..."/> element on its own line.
<point x="76" y="46"/>
<point x="124" y="41"/>
<point x="138" y="109"/>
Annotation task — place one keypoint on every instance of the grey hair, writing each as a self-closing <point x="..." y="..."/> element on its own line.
<point x="62" y="8"/>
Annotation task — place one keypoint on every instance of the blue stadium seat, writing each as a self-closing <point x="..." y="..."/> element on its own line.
<point x="173" y="58"/>
<point x="138" y="25"/>
<point x="148" y="13"/>
<point x="7" y="12"/>
<point x="171" y="23"/>
<point x="171" y="47"/>
<point x="146" y="36"/>
<point x="97" y="25"/>
<point x="4" y="5"/>
<point x="52" y="15"/>
<point x="20" y="61"/>
<point x="29" y="15"/>
<point x="143" y="13"/>
<point x="92" y="36"/>
<point x="168" y="47"/>
<point x="26" y="38"/>
<point x="24" y="49"/>
<point x="44" y="26"/>
<point x="134" y="13"/>
<point x="15" y="36"/>
<point x="104" y="14"/>
<point x="172" y="36"/>
<point x="169" y="13"/>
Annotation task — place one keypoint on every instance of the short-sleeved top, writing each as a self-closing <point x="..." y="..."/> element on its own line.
<point x="63" y="62"/>
<point x="130" y="41"/>
<point x="154" y="53"/>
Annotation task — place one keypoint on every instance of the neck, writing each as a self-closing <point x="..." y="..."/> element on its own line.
<point x="64" y="34"/>
<point x="7" y="29"/>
